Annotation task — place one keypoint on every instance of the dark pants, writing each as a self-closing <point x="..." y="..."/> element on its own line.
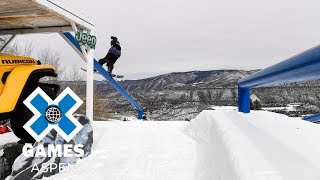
<point x="110" y="62"/>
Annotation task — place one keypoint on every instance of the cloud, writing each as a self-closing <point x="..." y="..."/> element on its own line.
<point x="177" y="35"/>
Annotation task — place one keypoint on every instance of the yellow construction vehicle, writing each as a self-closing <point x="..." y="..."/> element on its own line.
<point x="19" y="77"/>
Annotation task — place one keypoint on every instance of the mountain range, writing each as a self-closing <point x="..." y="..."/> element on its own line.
<point x="190" y="92"/>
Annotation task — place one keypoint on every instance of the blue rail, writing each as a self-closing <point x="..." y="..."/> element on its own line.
<point x="107" y="76"/>
<point x="304" y="66"/>
<point x="314" y="118"/>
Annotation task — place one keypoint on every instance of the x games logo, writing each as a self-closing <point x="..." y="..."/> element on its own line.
<point x="53" y="114"/>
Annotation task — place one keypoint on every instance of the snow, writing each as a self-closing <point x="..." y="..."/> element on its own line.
<point x="218" y="144"/>
<point x="275" y="108"/>
<point x="286" y="108"/>
<point x="224" y="107"/>
<point x="260" y="145"/>
<point x="141" y="150"/>
<point x="8" y="137"/>
<point x="254" y="97"/>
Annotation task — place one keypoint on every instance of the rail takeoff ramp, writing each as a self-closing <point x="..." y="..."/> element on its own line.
<point x="71" y="40"/>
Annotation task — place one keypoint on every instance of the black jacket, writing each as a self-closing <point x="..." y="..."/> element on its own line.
<point x="114" y="52"/>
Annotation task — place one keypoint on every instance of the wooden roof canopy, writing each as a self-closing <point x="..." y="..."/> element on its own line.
<point x="36" y="16"/>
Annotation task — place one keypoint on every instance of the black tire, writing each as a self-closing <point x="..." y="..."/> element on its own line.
<point x="23" y="114"/>
<point x="10" y="152"/>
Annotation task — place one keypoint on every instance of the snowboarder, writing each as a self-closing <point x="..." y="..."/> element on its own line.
<point x="113" y="54"/>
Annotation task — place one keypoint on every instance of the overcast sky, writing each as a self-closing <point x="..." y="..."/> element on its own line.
<point x="159" y="36"/>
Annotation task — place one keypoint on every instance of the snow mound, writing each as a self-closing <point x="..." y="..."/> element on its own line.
<point x="7" y="138"/>
<point x="137" y="150"/>
<point x="260" y="145"/>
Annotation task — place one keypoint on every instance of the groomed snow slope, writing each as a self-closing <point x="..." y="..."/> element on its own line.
<point x="137" y="150"/>
<point x="229" y="146"/>
<point x="256" y="146"/>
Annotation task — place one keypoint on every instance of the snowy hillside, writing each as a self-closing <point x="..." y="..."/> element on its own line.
<point x="196" y="90"/>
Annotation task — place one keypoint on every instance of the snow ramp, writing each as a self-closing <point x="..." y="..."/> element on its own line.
<point x="260" y="146"/>
<point x="137" y="150"/>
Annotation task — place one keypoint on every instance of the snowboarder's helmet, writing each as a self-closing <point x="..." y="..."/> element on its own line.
<point x="114" y="40"/>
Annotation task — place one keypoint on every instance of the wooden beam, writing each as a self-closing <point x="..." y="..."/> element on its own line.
<point x="36" y="30"/>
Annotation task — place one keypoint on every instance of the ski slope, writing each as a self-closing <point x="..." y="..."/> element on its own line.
<point x="220" y="144"/>
<point x="137" y="150"/>
<point x="259" y="146"/>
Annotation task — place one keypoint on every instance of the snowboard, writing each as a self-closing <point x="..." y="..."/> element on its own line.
<point x="113" y="75"/>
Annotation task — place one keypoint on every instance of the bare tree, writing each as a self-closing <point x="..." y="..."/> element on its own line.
<point x="73" y="75"/>
<point x="21" y="50"/>
<point x="50" y="57"/>
<point x="101" y="108"/>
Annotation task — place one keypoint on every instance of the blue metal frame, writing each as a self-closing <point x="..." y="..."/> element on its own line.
<point x="106" y="75"/>
<point x="314" y="118"/>
<point x="304" y="66"/>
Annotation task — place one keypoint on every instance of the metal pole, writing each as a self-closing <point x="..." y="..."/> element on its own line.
<point x="88" y="56"/>
<point x="244" y="99"/>
<point x="8" y="42"/>
<point x="89" y="102"/>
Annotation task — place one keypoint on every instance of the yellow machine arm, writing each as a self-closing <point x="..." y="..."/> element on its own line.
<point x="15" y="84"/>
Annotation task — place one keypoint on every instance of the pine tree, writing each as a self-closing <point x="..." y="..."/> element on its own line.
<point x="256" y="105"/>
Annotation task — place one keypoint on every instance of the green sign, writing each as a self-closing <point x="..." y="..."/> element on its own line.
<point x="86" y="39"/>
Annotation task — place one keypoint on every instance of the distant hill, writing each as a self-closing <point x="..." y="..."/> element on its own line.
<point x="201" y="79"/>
<point x="186" y="93"/>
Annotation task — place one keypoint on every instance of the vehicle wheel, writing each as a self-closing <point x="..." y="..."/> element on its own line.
<point x="23" y="114"/>
<point x="8" y="153"/>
